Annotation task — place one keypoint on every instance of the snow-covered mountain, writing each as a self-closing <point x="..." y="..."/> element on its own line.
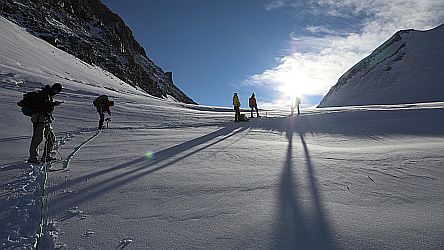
<point x="168" y="175"/>
<point x="90" y="31"/>
<point x="407" y="68"/>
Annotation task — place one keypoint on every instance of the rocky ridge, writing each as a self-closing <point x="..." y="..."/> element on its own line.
<point x="90" y="31"/>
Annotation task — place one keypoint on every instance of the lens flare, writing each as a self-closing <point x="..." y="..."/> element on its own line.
<point x="149" y="155"/>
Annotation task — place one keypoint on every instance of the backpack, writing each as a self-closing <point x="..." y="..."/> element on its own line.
<point x="99" y="100"/>
<point x="243" y="118"/>
<point x="28" y="103"/>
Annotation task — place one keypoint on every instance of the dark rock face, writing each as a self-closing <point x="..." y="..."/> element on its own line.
<point x="89" y="30"/>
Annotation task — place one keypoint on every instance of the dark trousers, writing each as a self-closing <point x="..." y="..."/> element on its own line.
<point x="236" y="113"/>
<point x="41" y="129"/>
<point x="101" y="120"/>
<point x="292" y="109"/>
<point x="102" y="117"/>
<point x="257" y="111"/>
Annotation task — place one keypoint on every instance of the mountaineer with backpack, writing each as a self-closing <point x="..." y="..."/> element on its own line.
<point x="253" y="104"/>
<point x="102" y="104"/>
<point x="39" y="105"/>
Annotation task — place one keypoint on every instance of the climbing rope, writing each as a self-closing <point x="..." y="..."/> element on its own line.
<point x="66" y="162"/>
<point x="45" y="169"/>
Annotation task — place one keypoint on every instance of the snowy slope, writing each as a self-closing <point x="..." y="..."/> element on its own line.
<point x="407" y="68"/>
<point x="90" y="31"/>
<point x="170" y="176"/>
<point x="28" y="63"/>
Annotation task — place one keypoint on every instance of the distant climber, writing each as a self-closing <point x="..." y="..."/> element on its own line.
<point x="253" y="105"/>
<point x="102" y="104"/>
<point x="295" y="104"/>
<point x="40" y="105"/>
<point x="236" y="105"/>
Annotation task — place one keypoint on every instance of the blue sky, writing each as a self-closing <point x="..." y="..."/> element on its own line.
<point x="276" y="48"/>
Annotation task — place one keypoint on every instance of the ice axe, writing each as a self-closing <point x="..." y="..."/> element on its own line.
<point x="108" y="119"/>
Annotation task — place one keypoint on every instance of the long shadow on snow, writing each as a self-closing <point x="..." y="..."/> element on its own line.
<point x="366" y="124"/>
<point x="300" y="228"/>
<point x="15" y="138"/>
<point x="90" y="191"/>
<point x="322" y="231"/>
<point x="299" y="232"/>
<point x="291" y="229"/>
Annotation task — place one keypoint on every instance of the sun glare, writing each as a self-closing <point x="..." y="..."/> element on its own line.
<point x="291" y="89"/>
<point x="293" y="82"/>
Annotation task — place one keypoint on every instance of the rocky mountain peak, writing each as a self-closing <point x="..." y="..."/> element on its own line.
<point x="90" y="31"/>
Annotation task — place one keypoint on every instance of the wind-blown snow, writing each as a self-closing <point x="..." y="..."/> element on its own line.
<point x="167" y="176"/>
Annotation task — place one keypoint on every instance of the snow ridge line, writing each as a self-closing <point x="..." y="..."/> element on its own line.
<point x="66" y="162"/>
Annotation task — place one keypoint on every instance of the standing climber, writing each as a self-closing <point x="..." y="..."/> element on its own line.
<point x="295" y="104"/>
<point x="236" y="105"/>
<point x="41" y="105"/>
<point x="253" y="104"/>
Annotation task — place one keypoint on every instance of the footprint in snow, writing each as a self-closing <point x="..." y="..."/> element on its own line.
<point x="88" y="233"/>
<point x="123" y="243"/>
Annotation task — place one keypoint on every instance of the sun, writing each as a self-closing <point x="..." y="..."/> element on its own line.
<point x="290" y="92"/>
<point x="292" y="83"/>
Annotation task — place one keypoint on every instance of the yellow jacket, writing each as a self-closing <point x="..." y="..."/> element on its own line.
<point x="236" y="101"/>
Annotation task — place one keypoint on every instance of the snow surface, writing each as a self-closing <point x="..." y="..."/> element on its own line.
<point x="168" y="176"/>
